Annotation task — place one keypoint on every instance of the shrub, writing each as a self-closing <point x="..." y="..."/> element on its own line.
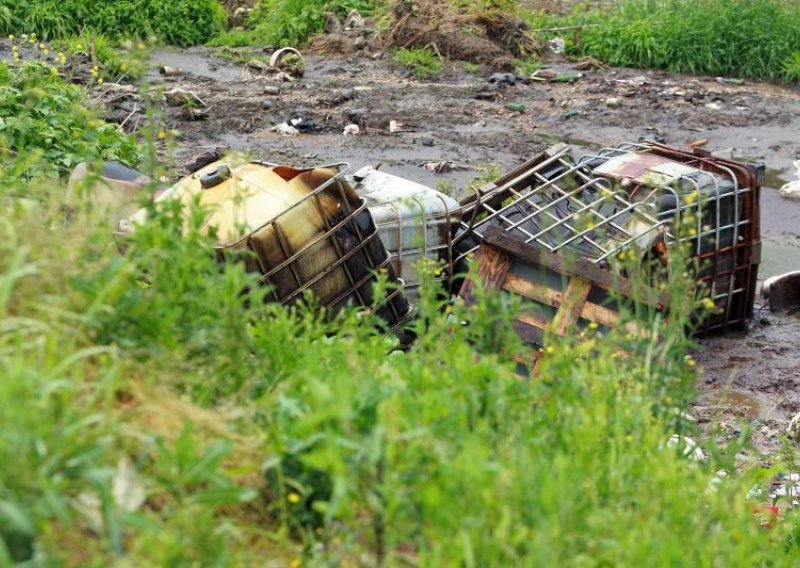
<point x="46" y="127"/>
<point x="293" y="22"/>
<point x="718" y="37"/>
<point x="178" y="22"/>
<point x="422" y="62"/>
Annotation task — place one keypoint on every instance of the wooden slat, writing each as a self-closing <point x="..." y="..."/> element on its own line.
<point x="493" y="265"/>
<point x="543" y="295"/>
<point x="536" y="292"/>
<point x="574" y="299"/>
<point x="531" y="254"/>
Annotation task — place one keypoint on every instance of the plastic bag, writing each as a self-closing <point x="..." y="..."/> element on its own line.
<point x="792" y="189"/>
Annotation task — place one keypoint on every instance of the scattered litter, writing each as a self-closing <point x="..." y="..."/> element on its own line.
<point x="713" y="106"/>
<point x="354" y="21"/>
<point x="444" y="166"/>
<point x="395" y="127"/>
<point x="273" y="90"/>
<point x="351" y="130"/>
<point x="570" y="114"/>
<point x="503" y="79"/>
<point x="240" y="16"/>
<point x="783" y="293"/>
<point x="127" y="491"/>
<point x="688" y="447"/>
<point x="516" y="107"/>
<point x="284" y="77"/>
<point x="767" y="515"/>
<point x="791" y="190"/>
<point x="729" y="81"/>
<point x="179" y="97"/>
<point x="303" y="124"/>
<point x="285" y="129"/>
<point x="289" y="60"/>
<point x="257" y="67"/>
<point x="168" y="71"/>
<point x="613" y="102"/>
<point x="190" y="114"/>
<point x="698" y="143"/>
<point x="556" y="46"/>
<point x="553" y="76"/>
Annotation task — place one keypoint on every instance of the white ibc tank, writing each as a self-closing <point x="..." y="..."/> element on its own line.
<point x="413" y="221"/>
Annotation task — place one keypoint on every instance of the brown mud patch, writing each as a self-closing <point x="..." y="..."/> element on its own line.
<point x="492" y="38"/>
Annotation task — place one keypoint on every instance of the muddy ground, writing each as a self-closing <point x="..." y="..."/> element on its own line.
<point x="753" y="376"/>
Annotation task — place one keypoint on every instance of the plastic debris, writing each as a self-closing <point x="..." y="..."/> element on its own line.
<point x="688" y="447"/>
<point x="168" y="71"/>
<point x="180" y="97"/>
<point x="557" y="46"/>
<point x="783" y="293"/>
<point x="414" y="221"/>
<point x="351" y="130"/>
<point x="791" y="190"/>
<point x="285" y="129"/>
<point x="303" y="124"/>
<point x="443" y="166"/>
<point x="516" y="107"/>
<point x="613" y="102"/>
<point x="288" y="60"/>
<point x="729" y="81"/>
<point x="503" y="79"/>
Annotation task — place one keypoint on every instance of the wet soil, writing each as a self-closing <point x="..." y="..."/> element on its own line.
<point x="753" y="376"/>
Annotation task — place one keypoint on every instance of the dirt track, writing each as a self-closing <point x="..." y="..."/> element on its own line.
<point x="754" y="377"/>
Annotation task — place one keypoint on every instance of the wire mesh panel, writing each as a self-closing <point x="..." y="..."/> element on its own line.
<point x="631" y="200"/>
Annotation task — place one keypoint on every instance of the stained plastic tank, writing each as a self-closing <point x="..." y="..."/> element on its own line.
<point x="413" y="221"/>
<point x="306" y="230"/>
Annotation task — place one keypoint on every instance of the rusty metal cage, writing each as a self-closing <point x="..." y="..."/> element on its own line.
<point x="633" y="197"/>
<point x="349" y="243"/>
<point x="304" y="231"/>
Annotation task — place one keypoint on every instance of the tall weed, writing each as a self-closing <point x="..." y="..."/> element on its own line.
<point x="717" y="37"/>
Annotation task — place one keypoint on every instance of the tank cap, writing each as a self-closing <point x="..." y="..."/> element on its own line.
<point x="214" y="177"/>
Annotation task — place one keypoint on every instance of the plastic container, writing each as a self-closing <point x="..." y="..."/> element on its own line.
<point x="413" y="221"/>
<point x="307" y="230"/>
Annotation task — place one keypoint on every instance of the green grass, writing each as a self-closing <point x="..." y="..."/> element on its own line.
<point x="255" y="432"/>
<point x="177" y="22"/>
<point x="46" y="127"/>
<point x="423" y="63"/>
<point x="736" y="38"/>
<point x="291" y="22"/>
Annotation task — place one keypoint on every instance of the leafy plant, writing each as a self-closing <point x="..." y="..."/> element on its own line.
<point x="46" y="127"/>
<point x="178" y="22"/>
<point x="293" y="22"/>
<point x="422" y="62"/>
<point x="718" y="37"/>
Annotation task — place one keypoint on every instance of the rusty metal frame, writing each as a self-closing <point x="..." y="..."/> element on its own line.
<point x="728" y="255"/>
<point x="354" y="207"/>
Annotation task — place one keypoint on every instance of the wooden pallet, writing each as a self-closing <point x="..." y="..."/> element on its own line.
<point x="559" y="295"/>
